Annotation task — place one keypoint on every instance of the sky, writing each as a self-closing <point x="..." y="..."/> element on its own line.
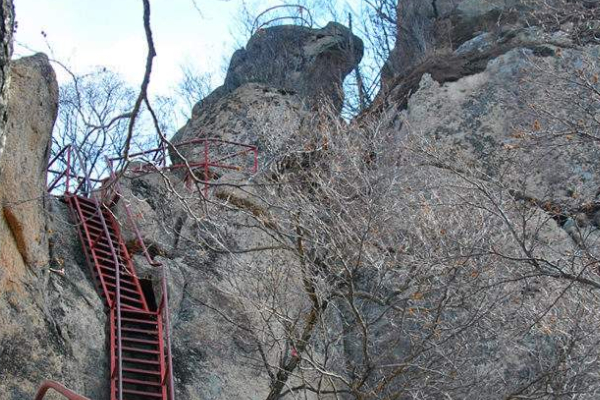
<point x="83" y="34"/>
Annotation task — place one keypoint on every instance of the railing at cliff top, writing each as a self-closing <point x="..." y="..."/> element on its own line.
<point x="302" y="16"/>
<point x="212" y="153"/>
<point x="77" y="178"/>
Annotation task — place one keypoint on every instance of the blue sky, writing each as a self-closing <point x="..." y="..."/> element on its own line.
<point x="87" y="33"/>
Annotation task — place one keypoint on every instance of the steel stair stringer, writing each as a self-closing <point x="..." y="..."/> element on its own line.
<point x="138" y="359"/>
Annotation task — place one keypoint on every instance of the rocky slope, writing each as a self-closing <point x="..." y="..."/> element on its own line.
<point x="483" y="121"/>
<point x="443" y="245"/>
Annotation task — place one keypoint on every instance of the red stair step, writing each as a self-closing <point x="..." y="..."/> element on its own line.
<point x="128" y="279"/>
<point x="141" y="371"/>
<point x="140" y="361"/>
<point x="124" y="297"/>
<point x="140" y="382"/>
<point x="136" y="340"/>
<point x="140" y="321"/>
<point x="128" y="290"/>
<point x="136" y="330"/>
<point x="138" y="350"/>
<point x="111" y="270"/>
<point x="151" y="394"/>
<point x="154" y="313"/>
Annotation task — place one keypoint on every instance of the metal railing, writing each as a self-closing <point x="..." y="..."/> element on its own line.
<point x="163" y="306"/>
<point x="302" y="16"/>
<point x="212" y="156"/>
<point x="76" y="179"/>
<point x="60" y="389"/>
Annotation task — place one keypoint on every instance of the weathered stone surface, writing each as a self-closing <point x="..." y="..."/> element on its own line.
<point x="309" y="62"/>
<point x="53" y="321"/>
<point x="32" y="110"/>
<point x="426" y="28"/>
<point x="252" y="114"/>
<point x="7" y="20"/>
<point x="498" y="121"/>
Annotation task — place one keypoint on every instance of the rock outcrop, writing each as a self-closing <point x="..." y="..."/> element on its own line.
<point x="309" y="62"/>
<point x="7" y="20"/>
<point x="445" y="244"/>
<point x="32" y="110"/>
<point x="52" y="319"/>
<point x="273" y="86"/>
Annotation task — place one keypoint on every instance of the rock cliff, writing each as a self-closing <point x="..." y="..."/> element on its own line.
<point x="274" y="85"/>
<point x="7" y="18"/>
<point x="445" y="244"/>
<point x="52" y="319"/>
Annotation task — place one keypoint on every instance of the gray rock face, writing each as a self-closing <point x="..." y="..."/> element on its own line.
<point x="425" y="28"/>
<point x="499" y="119"/>
<point x="309" y="62"/>
<point x="52" y="320"/>
<point x="6" y="30"/>
<point x="272" y="85"/>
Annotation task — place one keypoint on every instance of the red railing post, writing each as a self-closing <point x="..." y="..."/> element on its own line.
<point x="112" y="344"/>
<point x="68" y="170"/>
<point x="206" y="170"/>
<point x="167" y="332"/>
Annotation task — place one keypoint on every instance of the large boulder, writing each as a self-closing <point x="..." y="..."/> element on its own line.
<point x="310" y="62"/>
<point x="32" y="109"/>
<point x="53" y="321"/>
<point x="271" y="88"/>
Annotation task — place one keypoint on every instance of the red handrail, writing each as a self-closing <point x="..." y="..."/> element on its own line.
<point x="164" y="302"/>
<point x="73" y="156"/>
<point x="159" y="159"/>
<point x="157" y="163"/>
<point x="47" y="385"/>
<point x="116" y="303"/>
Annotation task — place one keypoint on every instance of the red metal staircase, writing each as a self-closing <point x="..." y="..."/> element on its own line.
<point x="139" y="344"/>
<point x="138" y="361"/>
<point x="139" y="340"/>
